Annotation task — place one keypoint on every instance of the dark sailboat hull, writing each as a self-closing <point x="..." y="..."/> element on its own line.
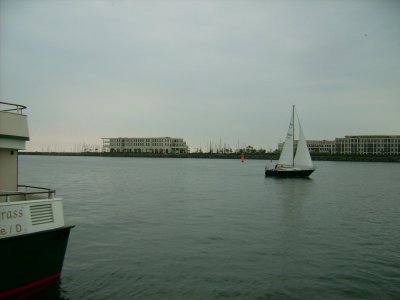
<point x="32" y="260"/>
<point x="288" y="173"/>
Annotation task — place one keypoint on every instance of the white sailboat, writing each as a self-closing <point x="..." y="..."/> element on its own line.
<point x="293" y="163"/>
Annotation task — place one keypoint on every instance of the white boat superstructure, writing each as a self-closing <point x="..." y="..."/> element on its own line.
<point x="23" y="209"/>
<point x="33" y="236"/>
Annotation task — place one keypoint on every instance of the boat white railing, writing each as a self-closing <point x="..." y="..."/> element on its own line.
<point x="29" y="210"/>
<point x="11" y="107"/>
<point x="27" y="192"/>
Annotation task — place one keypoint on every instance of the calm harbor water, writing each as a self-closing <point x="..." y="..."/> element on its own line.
<point x="149" y="228"/>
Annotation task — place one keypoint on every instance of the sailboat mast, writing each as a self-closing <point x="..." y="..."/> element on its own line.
<point x="293" y="136"/>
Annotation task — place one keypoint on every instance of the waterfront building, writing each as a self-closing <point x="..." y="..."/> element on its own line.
<point x="159" y="145"/>
<point x="318" y="146"/>
<point x="356" y="144"/>
<point x="368" y="144"/>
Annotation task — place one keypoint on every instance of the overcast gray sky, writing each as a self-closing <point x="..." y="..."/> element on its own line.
<point x="200" y="70"/>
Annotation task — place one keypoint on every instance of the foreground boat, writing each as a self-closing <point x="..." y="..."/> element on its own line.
<point x="293" y="163"/>
<point x="33" y="236"/>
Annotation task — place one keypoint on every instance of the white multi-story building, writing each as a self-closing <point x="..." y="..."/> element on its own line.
<point x="316" y="146"/>
<point x="368" y="144"/>
<point x="323" y="146"/>
<point x="356" y="144"/>
<point x="159" y="145"/>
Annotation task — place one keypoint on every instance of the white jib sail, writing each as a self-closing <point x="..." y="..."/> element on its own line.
<point x="302" y="158"/>
<point x="286" y="157"/>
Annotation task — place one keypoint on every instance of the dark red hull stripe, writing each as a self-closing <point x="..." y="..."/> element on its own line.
<point x="29" y="286"/>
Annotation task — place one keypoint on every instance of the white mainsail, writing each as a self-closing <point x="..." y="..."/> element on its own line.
<point x="286" y="157"/>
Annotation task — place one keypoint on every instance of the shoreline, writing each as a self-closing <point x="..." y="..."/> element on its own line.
<point x="257" y="156"/>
